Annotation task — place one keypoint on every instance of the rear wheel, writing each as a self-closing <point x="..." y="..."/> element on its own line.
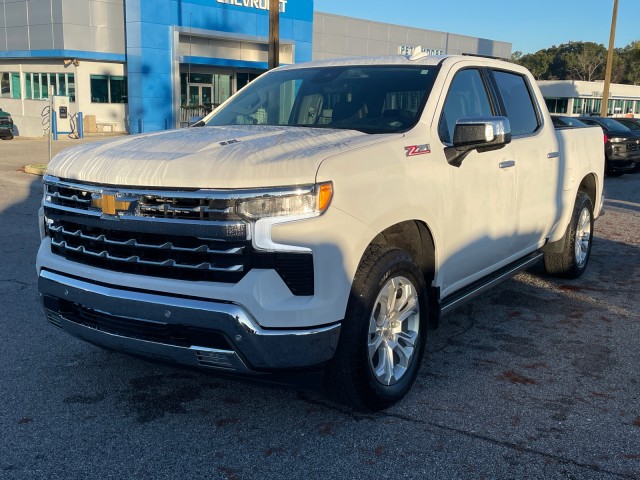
<point x="572" y="261"/>
<point x="383" y="335"/>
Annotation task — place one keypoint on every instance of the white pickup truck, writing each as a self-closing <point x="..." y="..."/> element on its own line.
<point x="323" y="218"/>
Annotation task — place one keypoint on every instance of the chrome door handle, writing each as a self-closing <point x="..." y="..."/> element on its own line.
<point x="508" y="164"/>
<point x="553" y="155"/>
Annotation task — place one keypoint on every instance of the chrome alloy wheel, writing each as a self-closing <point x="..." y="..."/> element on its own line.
<point x="583" y="237"/>
<point x="393" y="330"/>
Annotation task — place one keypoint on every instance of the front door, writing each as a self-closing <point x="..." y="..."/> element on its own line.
<point x="480" y="212"/>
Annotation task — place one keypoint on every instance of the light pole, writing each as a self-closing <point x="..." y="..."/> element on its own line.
<point x="607" y="76"/>
<point x="274" y="33"/>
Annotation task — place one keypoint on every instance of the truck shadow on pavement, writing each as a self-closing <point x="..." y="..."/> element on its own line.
<point x="19" y="232"/>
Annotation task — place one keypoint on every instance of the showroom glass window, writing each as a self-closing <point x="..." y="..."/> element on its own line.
<point x="108" y="89"/>
<point x="36" y="85"/>
<point x="9" y="85"/>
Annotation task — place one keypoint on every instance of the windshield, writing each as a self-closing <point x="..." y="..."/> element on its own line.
<point x="373" y="99"/>
<point x="630" y="124"/>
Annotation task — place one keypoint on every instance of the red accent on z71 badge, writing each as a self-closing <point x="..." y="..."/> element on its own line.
<point x="414" y="150"/>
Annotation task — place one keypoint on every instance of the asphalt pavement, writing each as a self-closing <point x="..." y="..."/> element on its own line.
<point x="539" y="378"/>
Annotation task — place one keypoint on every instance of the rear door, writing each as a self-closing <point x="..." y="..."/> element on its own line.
<point x="538" y="162"/>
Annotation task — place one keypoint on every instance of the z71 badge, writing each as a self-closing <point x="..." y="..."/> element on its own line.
<point x="414" y="150"/>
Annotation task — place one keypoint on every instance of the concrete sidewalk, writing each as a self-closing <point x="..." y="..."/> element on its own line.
<point x="34" y="152"/>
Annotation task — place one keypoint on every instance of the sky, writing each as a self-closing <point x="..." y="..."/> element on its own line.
<point x="528" y="25"/>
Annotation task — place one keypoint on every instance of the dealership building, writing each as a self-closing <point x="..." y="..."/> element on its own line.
<point x="141" y="66"/>
<point x="576" y="98"/>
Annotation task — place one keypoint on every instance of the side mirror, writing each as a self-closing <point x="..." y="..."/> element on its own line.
<point x="482" y="134"/>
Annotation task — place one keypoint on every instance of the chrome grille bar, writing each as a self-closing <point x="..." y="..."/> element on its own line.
<point x="136" y="259"/>
<point x="72" y="198"/>
<point x="170" y="208"/>
<point x="216" y="194"/>
<point x="134" y="243"/>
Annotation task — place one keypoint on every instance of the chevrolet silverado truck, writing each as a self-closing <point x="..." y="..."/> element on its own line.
<point x="321" y="219"/>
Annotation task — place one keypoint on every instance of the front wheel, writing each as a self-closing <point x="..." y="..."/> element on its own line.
<point x="383" y="334"/>
<point x="572" y="261"/>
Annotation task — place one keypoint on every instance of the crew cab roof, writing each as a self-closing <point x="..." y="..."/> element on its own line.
<point x="427" y="60"/>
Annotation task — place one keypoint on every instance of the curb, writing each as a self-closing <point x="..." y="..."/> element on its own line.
<point x="36" y="169"/>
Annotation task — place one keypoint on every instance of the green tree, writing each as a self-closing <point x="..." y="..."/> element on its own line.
<point x="538" y="63"/>
<point x="631" y="55"/>
<point x="620" y="66"/>
<point x="583" y="60"/>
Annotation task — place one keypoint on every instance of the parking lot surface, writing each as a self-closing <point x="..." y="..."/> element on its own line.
<point x="538" y="378"/>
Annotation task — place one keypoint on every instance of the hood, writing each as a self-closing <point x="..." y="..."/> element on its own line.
<point x="241" y="156"/>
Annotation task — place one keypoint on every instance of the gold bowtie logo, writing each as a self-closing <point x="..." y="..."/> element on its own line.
<point x="110" y="203"/>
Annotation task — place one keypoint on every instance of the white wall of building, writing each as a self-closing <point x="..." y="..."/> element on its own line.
<point x="104" y="112"/>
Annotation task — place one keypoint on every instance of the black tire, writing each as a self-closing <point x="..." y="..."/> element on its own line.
<point x="351" y="376"/>
<point x="572" y="261"/>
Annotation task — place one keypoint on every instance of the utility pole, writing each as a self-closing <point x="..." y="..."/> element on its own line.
<point x="607" y="75"/>
<point x="274" y="33"/>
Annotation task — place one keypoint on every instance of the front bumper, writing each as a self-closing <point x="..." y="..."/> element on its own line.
<point x="623" y="161"/>
<point x="169" y="328"/>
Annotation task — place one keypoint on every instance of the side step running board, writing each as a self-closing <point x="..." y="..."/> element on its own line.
<point x="478" y="287"/>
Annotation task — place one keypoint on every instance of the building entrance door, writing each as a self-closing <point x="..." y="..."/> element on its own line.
<point x="200" y="95"/>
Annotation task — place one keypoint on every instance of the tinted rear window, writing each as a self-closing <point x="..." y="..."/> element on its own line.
<point x="518" y="102"/>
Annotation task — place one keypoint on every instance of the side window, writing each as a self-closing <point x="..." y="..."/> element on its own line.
<point x="518" y="102"/>
<point x="467" y="97"/>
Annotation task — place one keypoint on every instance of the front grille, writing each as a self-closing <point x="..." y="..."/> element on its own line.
<point x="164" y="235"/>
<point x="5" y="122"/>
<point x="186" y="208"/>
<point x="158" y="332"/>
<point x="184" y="205"/>
<point x="633" y="147"/>
<point x="187" y="258"/>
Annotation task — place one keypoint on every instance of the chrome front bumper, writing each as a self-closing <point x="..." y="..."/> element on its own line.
<point x="116" y="317"/>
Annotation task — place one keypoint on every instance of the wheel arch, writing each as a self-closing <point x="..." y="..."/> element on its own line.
<point x="415" y="237"/>
<point x="588" y="185"/>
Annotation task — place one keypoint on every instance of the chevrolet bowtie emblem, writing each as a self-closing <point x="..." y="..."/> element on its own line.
<point x="111" y="203"/>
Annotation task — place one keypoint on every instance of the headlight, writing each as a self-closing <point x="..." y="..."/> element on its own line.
<point x="617" y="139"/>
<point x="284" y="205"/>
<point x="304" y="202"/>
